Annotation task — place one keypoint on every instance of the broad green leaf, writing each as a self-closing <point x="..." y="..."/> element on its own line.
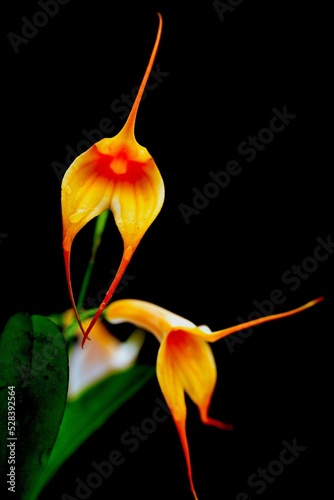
<point x="86" y="414"/>
<point x="34" y="363"/>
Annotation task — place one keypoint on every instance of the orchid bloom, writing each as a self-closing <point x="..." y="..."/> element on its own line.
<point x="117" y="174"/>
<point x="185" y="362"/>
<point x="103" y="357"/>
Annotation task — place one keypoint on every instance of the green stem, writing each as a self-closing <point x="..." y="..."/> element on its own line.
<point x="100" y="224"/>
<point x="72" y="329"/>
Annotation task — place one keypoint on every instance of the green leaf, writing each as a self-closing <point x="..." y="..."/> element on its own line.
<point x="86" y="414"/>
<point x="34" y="363"/>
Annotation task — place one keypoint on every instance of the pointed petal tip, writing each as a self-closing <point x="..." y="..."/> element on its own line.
<point x="84" y="340"/>
<point x="313" y="302"/>
<point x="319" y="299"/>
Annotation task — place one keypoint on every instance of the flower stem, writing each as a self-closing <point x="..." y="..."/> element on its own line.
<point x="100" y="224"/>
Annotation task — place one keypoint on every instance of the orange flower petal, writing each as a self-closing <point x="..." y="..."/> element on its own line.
<point x="185" y="361"/>
<point x="186" y="364"/>
<point x="87" y="188"/>
<point x="214" y="336"/>
<point x="173" y="391"/>
<point x="196" y="367"/>
<point x="119" y="174"/>
<point x="150" y="317"/>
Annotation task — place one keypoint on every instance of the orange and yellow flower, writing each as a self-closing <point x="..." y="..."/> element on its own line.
<point x="185" y="362"/>
<point x="120" y="175"/>
<point x="117" y="174"/>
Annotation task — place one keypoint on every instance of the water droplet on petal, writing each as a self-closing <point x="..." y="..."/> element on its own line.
<point x="77" y="216"/>
<point x="68" y="190"/>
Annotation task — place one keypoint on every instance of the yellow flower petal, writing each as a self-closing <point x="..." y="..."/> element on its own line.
<point x="186" y="364"/>
<point x="116" y="173"/>
<point x="196" y="368"/>
<point x="153" y="318"/>
<point x="87" y="188"/>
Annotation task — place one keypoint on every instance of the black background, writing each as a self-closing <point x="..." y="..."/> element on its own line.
<point x="223" y="79"/>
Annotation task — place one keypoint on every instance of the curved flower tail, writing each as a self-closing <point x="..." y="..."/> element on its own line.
<point x="67" y="258"/>
<point x="213" y="421"/>
<point x="130" y="122"/>
<point x="214" y="336"/>
<point x="181" y="429"/>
